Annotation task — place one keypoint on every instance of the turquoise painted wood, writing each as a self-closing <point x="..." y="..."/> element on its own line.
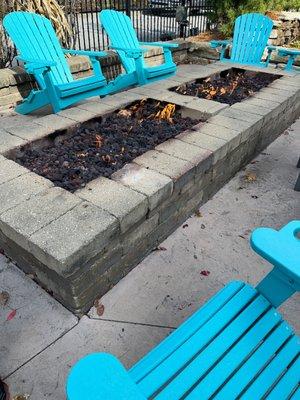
<point x="236" y="346"/>
<point x="43" y="56"/>
<point x="250" y="38"/>
<point x="292" y="55"/>
<point x="123" y="39"/>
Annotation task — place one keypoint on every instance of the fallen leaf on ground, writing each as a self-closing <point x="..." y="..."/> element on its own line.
<point x="202" y="226"/>
<point x="11" y="315"/>
<point x="160" y="248"/>
<point x="21" y="397"/>
<point x="205" y="272"/>
<point x="250" y="177"/>
<point x="4" y="297"/>
<point x="99" y="307"/>
<point x="198" y="214"/>
<point x="185" y="226"/>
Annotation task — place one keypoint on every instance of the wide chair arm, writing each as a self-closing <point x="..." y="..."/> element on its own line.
<point x="85" y="53"/>
<point x="220" y="43"/>
<point x="101" y="376"/>
<point x="282" y="249"/>
<point x="93" y="55"/>
<point x="34" y="66"/>
<point x="160" y="44"/>
<point x="130" y="53"/>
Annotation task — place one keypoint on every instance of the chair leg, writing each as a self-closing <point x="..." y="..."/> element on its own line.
<point x="35" y="100"/>
<point x="297" y="186"/>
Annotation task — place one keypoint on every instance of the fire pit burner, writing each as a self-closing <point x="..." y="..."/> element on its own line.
<point x="101" y="146"/>
<point x="229" y="87"/>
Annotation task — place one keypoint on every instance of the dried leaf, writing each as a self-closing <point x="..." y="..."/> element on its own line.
<point x="4" y="298"/>
<point x="205" y="272"/>
<point x="100" y="310"/>
<point x="185" y="226"/>
<point x="198" y="214"/>
<point x="160" y="248"/>
<point x="250" y="177"/>
<point x="11" y="315"/>
<point x="21" y="397"/>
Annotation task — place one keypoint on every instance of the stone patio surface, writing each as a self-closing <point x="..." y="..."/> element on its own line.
<point x="41" y="340"/>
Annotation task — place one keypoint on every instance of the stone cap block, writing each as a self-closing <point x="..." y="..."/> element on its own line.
<point x="177" y="169"/>
<point x="10" y="170"/>
<point x="9" y="142"/>
<point x="22" y="221"/>
<point x="127" y="205"/>
<point x="21" y="189"/>
<point x="200" y="158"/>
<point x="64" y="244"/>
<point x="155" y="186"/>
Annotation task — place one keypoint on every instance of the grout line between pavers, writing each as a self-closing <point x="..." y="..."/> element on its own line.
<point x="132" y="323"/>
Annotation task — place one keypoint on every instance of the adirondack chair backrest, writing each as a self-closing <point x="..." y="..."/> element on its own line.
<point x="121" y="33"/>
<point x="35" y="39"/>
<point x="251" y="34"/>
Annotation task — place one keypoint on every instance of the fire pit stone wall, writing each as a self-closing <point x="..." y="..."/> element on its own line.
<point x="78" y="245"/>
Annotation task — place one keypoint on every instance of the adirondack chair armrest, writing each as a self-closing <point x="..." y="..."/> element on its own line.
<point x="101" y="375"/>
<point x="85" y="53"/>
<point x="220" y="43"/>
<point x="93" y="55"/>
<point x="164" y="45"/>
<point x="131" y="53"/>
<point x="282" y="249"/>
<point x="32" y="66"/>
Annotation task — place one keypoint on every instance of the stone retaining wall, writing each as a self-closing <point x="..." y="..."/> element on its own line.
<point x="286" y="29"/>
<point x="79" y="245"/>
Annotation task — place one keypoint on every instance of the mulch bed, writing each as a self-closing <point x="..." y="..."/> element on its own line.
<point x="102" y="146"/>
<point x="229" y="87"/>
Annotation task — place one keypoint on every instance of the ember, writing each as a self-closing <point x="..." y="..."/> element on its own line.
<point x="230" y="86"/>
<point x="100" y="147"/>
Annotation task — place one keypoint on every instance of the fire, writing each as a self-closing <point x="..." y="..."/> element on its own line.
<point x="166" y="113"/>
<point x="98" y="141"/>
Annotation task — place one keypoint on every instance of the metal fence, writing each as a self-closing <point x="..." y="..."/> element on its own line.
<point x="153" y="19"/>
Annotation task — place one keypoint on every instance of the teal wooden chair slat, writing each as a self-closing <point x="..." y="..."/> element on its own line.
<point x="124" y="41"/>
<point x="250" y="38"/>
<point x="43" y="56"/>
<point x="237" y="346"/>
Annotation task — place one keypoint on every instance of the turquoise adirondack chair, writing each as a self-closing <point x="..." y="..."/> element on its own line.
<point x="237" y="346"/>
<point x="123" y="39"/>
<point x="250" y="38"/>
<point x="44" y="57"/>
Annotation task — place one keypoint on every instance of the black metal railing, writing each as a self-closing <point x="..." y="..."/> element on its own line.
<point x="153" y="20"/>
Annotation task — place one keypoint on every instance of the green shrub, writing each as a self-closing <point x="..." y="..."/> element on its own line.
<point x="226" y="11"/>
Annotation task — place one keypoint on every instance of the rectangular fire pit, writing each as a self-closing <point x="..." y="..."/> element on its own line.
<point x="87" y="194"/>
<point x="230" y="86"/>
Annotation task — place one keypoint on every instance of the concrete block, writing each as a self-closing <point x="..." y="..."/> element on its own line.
<point x="200" y="158"/>
<point x="20" y="189"/>
<point x="55" y="122"/>
<point x="177" y="169"/>
<point x="124" y="203"/>
<point x="95" y="107"/>
<point x="20" y="222"/>
<point x="10" y="170"/>
<point x="29" y="131"/>
<point x="77" y="114"/>
<point x="66" y="242"/>
<point x="156" y="187"/>
<point x="9" y="142"/>
<point x="216" y="145"/>
<point x="139" y="234"/>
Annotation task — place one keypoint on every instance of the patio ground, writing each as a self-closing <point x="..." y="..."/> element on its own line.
<point x="42" y="340"/>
